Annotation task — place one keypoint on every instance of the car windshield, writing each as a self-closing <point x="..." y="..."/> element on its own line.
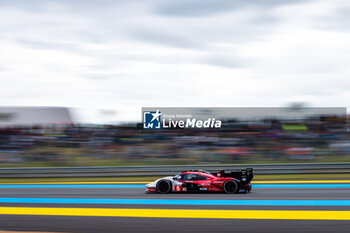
<point x="189" y="176"/>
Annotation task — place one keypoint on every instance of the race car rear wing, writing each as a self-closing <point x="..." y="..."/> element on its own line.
<point x="240" y="174"/>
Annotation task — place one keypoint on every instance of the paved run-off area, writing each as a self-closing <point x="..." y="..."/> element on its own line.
<point x="300" y="206"/>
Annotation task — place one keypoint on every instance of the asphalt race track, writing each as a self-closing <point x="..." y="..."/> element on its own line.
<point x="306" y="207"/>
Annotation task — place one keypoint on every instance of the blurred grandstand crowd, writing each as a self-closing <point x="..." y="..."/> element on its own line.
<point x="321" y="139"/>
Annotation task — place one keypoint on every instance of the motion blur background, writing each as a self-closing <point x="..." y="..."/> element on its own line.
<point x="48" y="137"/>
<point x="103" y="60"/>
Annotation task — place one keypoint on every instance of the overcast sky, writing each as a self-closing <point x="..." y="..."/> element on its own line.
<point x="125" y="54"/>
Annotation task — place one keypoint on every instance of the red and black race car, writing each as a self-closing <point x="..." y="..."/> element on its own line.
<point x="228" y="181"/>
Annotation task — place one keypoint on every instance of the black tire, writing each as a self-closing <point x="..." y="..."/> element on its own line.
<point x="230" y="186"/>
<point x="164" y="186"/>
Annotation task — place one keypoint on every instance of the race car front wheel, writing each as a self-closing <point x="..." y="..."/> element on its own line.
<point x="230" y="186"/>
<point x="164" y="186"/>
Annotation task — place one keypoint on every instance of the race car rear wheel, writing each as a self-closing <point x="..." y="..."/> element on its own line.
<point x="230" y="186"/>
<point x="164" y="186"/>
